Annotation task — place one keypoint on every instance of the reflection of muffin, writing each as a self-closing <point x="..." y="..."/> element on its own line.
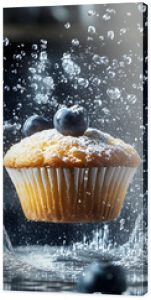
<point x="71" y="179"/>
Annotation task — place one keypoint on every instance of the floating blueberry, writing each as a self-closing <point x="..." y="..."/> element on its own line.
<point x="34" y="124"/>
<point x="104" y="278"/>
<point x="71" y="121"/>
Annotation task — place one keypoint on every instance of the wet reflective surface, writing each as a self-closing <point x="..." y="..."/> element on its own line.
<point x="94" y="58"/>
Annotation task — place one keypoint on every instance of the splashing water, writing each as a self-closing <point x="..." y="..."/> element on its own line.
<point x="65" y="263"/>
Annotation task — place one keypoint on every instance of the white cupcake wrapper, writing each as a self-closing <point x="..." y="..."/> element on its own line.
<point x="71" y="195"/>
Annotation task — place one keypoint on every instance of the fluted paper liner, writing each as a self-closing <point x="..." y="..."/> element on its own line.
<point x="71" y="195"/>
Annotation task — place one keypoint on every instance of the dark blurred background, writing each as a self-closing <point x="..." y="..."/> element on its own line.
<point x="35" y="40"/>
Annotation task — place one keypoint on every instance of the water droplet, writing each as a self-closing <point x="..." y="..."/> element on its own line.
<point x="37" y="77"/>
<point x="43" y="41"/>
<point x="83" y="82"/>
<point x="100" y="60"/>
<point x="43" y="55"/>
<point x="23" y="53"/>
<point x="67" y="25"/>
<point x="91" y="29"/>
<point x="34" y="46"/>
<point x="123" y="31"/>
<point x="111" y="11"/>
<point x="7" y="88"/>
<point x="17" y="57"/>
<point x="41" y="98"/>
<point x="106" y="17"/>
<point x="8" y="126"/>
<point x="111" y="74"/>
<point x="69" y="66"/>
<point x="128" y="13"/>
<point x="32" y="70"/>
<point x="115" y="63"/>
<point x="34" y="86"/>
<point x="101" y="37"/>
<point x="6" y="41"/>
<point x="110" y="34"/>
<point x="49" y="82"/>
<point x="91" y="12"/>
<point x="105" y="110"/>
<point x="14" y="88"/>
<point x="121" y="64"/>
<point x="34" y="55"/>
<point x="141" y="7"/>
<point x="122" y="222"/>
<point x="113" y="93"/>
<point x="75" y="42"/>
<point x="90" y="38"/>
<point x="98" y="101"/>
<point x="127" y="59"/>
<point x="56" y="66"/>
<point x="18" y="126"/>
<point x="140" y="28"/>
<point x="96" y="81"/>
<point x="132" y="98"/>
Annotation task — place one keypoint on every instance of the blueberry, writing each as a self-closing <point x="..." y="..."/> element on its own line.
<point x="104" y="278"/>
<point x="34" y="124"/>
<point x="71" y="121"/>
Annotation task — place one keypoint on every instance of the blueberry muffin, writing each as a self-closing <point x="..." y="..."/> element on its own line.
<point x="72" y="173"/>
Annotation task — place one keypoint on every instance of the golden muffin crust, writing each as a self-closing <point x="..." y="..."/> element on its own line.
<point x="50" y="148"/>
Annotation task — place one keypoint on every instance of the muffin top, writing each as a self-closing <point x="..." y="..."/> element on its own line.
<point x="50" y="148"/>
